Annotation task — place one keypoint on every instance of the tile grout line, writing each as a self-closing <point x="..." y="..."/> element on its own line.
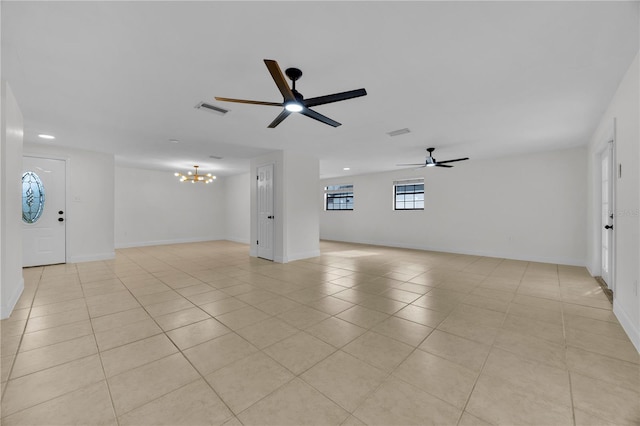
<point x="15" y="355"/>
<point x="564" y="354"/>
<point x="99" y="353"/>
<point x="464" y="409"/>
<point x="294" y="374"/>
<point x="58" y="365"/>
<point x="183" y="356"/>
<point x="390" y="373"/>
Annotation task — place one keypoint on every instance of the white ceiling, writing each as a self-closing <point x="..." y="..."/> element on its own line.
<point x="477" y="79"/>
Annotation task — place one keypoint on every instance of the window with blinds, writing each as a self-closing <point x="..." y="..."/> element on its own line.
<point x="408" y="194"/>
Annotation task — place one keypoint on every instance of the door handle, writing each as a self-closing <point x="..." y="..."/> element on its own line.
<point x="269" y="217"/>
<point x="60" y="219"/>
<point x="608" y="227"/>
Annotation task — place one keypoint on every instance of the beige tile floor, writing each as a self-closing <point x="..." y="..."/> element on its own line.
<point x="202" y="334"/>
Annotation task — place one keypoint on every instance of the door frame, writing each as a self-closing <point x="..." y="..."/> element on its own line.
<point x="608" y="143"/>
<point x="273" y="206"/>
<point x="67" y="191"/>
<point x="610" y="150"/>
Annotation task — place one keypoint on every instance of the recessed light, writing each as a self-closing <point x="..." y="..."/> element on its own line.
<point x="346" y="168"/>
<point x="174" y="141"/>
<point x="43" y="136"/>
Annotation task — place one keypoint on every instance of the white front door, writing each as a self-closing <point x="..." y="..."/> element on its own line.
<point x="43" y="211"/>
<point x="266" y="217"/>
<point x="606" y="214"/>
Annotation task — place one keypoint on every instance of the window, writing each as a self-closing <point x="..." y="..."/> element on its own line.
<point x="408" y="194"/>
<point x="338" y="197"/>
<point x="32" y="197"/>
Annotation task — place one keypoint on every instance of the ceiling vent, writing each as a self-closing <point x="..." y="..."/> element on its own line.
<point x="211" y="108"/>
<point x="215" y="157"/>
<point x="399" y="132"/>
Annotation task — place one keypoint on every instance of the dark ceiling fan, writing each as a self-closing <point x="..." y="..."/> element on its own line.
<point x="293" y="100"/>
<point x="430" y="161"/>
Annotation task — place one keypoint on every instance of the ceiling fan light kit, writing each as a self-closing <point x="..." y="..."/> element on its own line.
<point x="293" y="101"/>
<point x="430" y="161"/>
<point x="293" y="107"/>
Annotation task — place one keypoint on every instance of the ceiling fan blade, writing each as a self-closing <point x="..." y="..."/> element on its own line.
<point x="278" y="77"/>
<point x="244" y="101"/>
<point x="453" y="161"/>
<point x="317" y="116"/>
<point x="321" y="100"/>
<point x="442" y="165"/>
<point x="284" y="114"/>
<point x="412" y="164"/>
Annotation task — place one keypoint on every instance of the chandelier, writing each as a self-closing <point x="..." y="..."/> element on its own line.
<point x="194" y="177"/>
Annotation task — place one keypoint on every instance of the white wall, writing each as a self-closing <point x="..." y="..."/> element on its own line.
<point x="237" y="202"/>
<point x="625" y="110"/>
<point x="302" y="232"/>
<point x="90" y="197"/>
<point x="154" y="207"/>
<point x="11" y="280"/>
<point x="296" y="234"/>
<point x="526" y="207"/>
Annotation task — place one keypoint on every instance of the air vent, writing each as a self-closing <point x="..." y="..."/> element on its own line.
<point x="215" y="157"/>
<point x="399" y="132"/>
<point x="212" y="108"/>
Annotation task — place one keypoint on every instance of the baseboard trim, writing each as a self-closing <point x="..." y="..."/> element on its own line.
<point x="8" y="305"/>
<point x="510" y="256"/>
<point x="629" y="327"/>
<point x="91" y="257"/>
<point x="238" y="240"/>
<point x="605" y="288"/>
<point x="163" y="242"/>
<point x="295" y="256"/>
<point x="302" y="255"/>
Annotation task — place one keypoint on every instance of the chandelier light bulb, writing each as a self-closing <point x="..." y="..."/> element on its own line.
<point x="194" y="177"/>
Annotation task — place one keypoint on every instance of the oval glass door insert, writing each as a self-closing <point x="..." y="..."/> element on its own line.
<point x="32" y="197"/>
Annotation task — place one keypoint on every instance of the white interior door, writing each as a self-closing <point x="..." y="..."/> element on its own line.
<point x="606" y="214"/>
<point x="43" y="211"/>
<point x="266" y="218"/>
